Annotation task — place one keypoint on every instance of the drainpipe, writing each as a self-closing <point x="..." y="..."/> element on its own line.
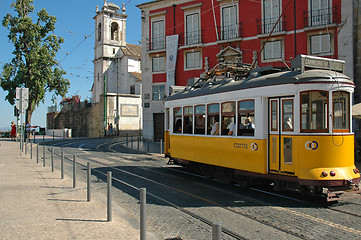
<point x="174" y="18"/>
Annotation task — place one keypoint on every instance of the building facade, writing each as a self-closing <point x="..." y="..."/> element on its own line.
<point x="207" y="33"/>
<point x="117" y="73"/>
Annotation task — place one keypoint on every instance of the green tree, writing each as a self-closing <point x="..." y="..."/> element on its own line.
<point x="34" y="65"/>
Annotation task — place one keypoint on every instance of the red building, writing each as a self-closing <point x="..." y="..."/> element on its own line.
<point x="258" y="32"/>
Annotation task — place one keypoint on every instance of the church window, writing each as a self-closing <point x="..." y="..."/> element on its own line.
<point x="114" y="31"/>
<point x="99" y="32"/>
<point x="132" y="89"/>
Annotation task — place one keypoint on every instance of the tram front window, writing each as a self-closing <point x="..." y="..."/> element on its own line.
<point x="340" y="111"/>
<point x="314" y="113"/>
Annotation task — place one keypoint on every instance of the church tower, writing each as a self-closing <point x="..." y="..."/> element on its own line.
<point x="110" y="37"/>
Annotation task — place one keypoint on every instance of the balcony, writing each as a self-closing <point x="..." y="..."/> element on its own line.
<point x="230" y="32"/>
<point x="265" y="26"/>
<point x="321" y="17"/>
<point x="157" y="43"/>
<point x="191" y="38"/>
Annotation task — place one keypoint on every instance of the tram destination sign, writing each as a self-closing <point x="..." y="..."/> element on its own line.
<point x="310" y="62"/>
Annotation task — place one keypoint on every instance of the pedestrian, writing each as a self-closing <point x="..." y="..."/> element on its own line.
<point x="111" y="129"/>
<point x="28" y="130"/>
<point x="13" y="131"/>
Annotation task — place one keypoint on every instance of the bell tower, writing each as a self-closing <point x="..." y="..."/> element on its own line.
<point x="110" y="36"/>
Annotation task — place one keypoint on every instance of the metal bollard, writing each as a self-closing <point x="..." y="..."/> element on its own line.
<point x="132" y="141"/>
<point x="62" y="164"/>
<point x="26" y="146"/>
<point x="74" y="171"/>
<point x="143" y="202"/>
<point x="138" y="142"/>
<point x="88" y="181"/>
<point x="161" y="146"/>
<point x="52" y="159"/>
<point x="148" y="147"/>
<point x="37" y="153"/>
<point x="34" y="137"/>
<point x="216" y="231"/>
<point x="109" y="194"/>
<point x="43" y="155"/>
<point x="126" y="139"/>
<point x="31" y="149"/>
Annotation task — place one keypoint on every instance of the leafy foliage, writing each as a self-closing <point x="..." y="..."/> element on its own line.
<point x="34" y="65"/>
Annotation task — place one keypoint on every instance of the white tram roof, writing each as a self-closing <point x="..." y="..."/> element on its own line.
<point x="255" y="81"/>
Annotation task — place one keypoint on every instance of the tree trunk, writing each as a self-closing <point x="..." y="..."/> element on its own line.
<point x="28" y="115"/>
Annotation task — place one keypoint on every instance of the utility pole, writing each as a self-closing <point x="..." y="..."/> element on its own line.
<point x="294" y="15"/>
<point x="117" y="100"/>
<point x="105" y="105"/>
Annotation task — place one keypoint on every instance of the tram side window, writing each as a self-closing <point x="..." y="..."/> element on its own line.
<point x="341" y="111"/>
<point x="188" y="120"/>
<point x="177" y="123"/>
<point x="200" y="119"/>
<point x="228" y="118"/>
<point x="246" y="118"/>
<point x="274" y="112"/>
<point x="213" y="119"/>
<point x="314" y="113"/>
<point x="287" y="111"/>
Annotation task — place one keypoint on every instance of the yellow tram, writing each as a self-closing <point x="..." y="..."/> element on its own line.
<point x="291" y="128"/>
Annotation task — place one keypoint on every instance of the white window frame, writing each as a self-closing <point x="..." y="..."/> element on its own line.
<point x="272" y="16"/>
<point x="158" y="64"/>
<point x="186" y="54"/>
<point x="320" y="38"/>
<point x="325" y="10"/>
<point x="273" y="57"/>
<point x="159" y="43"/>
<point x="195" y="29"/>
<point x="159" y="93"/>
<point x="234" y="19"/>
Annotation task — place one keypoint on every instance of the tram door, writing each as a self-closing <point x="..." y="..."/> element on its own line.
<point x="281" y="128"/>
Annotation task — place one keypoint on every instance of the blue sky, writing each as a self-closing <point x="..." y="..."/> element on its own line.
<point x="75" y="24"/>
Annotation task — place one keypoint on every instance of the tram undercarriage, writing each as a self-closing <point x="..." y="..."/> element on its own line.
<point x="280" y="183"/>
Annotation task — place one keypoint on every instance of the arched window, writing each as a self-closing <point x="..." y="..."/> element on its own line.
<point x="99" y="32"/>
<point x="114" y="31"/>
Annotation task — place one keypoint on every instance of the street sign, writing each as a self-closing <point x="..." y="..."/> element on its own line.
<point x="22" y="96"/>
<point x="23" y="107"/>
<point x="22" y="92"/>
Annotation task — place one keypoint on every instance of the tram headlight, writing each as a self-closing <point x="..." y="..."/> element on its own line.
<point x="356" y="171"/>
<point x="324" y="173"/>
<point x="332" y="173"/>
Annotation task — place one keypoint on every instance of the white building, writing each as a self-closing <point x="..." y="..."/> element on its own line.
<point x="117" y="73"/>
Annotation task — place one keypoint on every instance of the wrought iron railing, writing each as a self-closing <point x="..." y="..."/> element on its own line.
<point x="157" y="43"/>
<point x="320" y="17"/>
<point x="265" y="26"/>
<point x="230" y="32"/>
<point x="191" y="38"/>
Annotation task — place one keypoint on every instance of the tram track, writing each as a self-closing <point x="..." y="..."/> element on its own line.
<point x="202" y="219"/>
<point x="108" y="149"/>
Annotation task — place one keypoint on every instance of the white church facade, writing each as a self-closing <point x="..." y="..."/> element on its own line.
<point x="117" y="71"/>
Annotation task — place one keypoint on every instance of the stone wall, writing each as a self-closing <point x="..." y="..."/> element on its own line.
<point x="84" y="123"/>
<point x="89" y="122"/>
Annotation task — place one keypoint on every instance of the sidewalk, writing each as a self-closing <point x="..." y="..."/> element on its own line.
<point x="37" y="204"/>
